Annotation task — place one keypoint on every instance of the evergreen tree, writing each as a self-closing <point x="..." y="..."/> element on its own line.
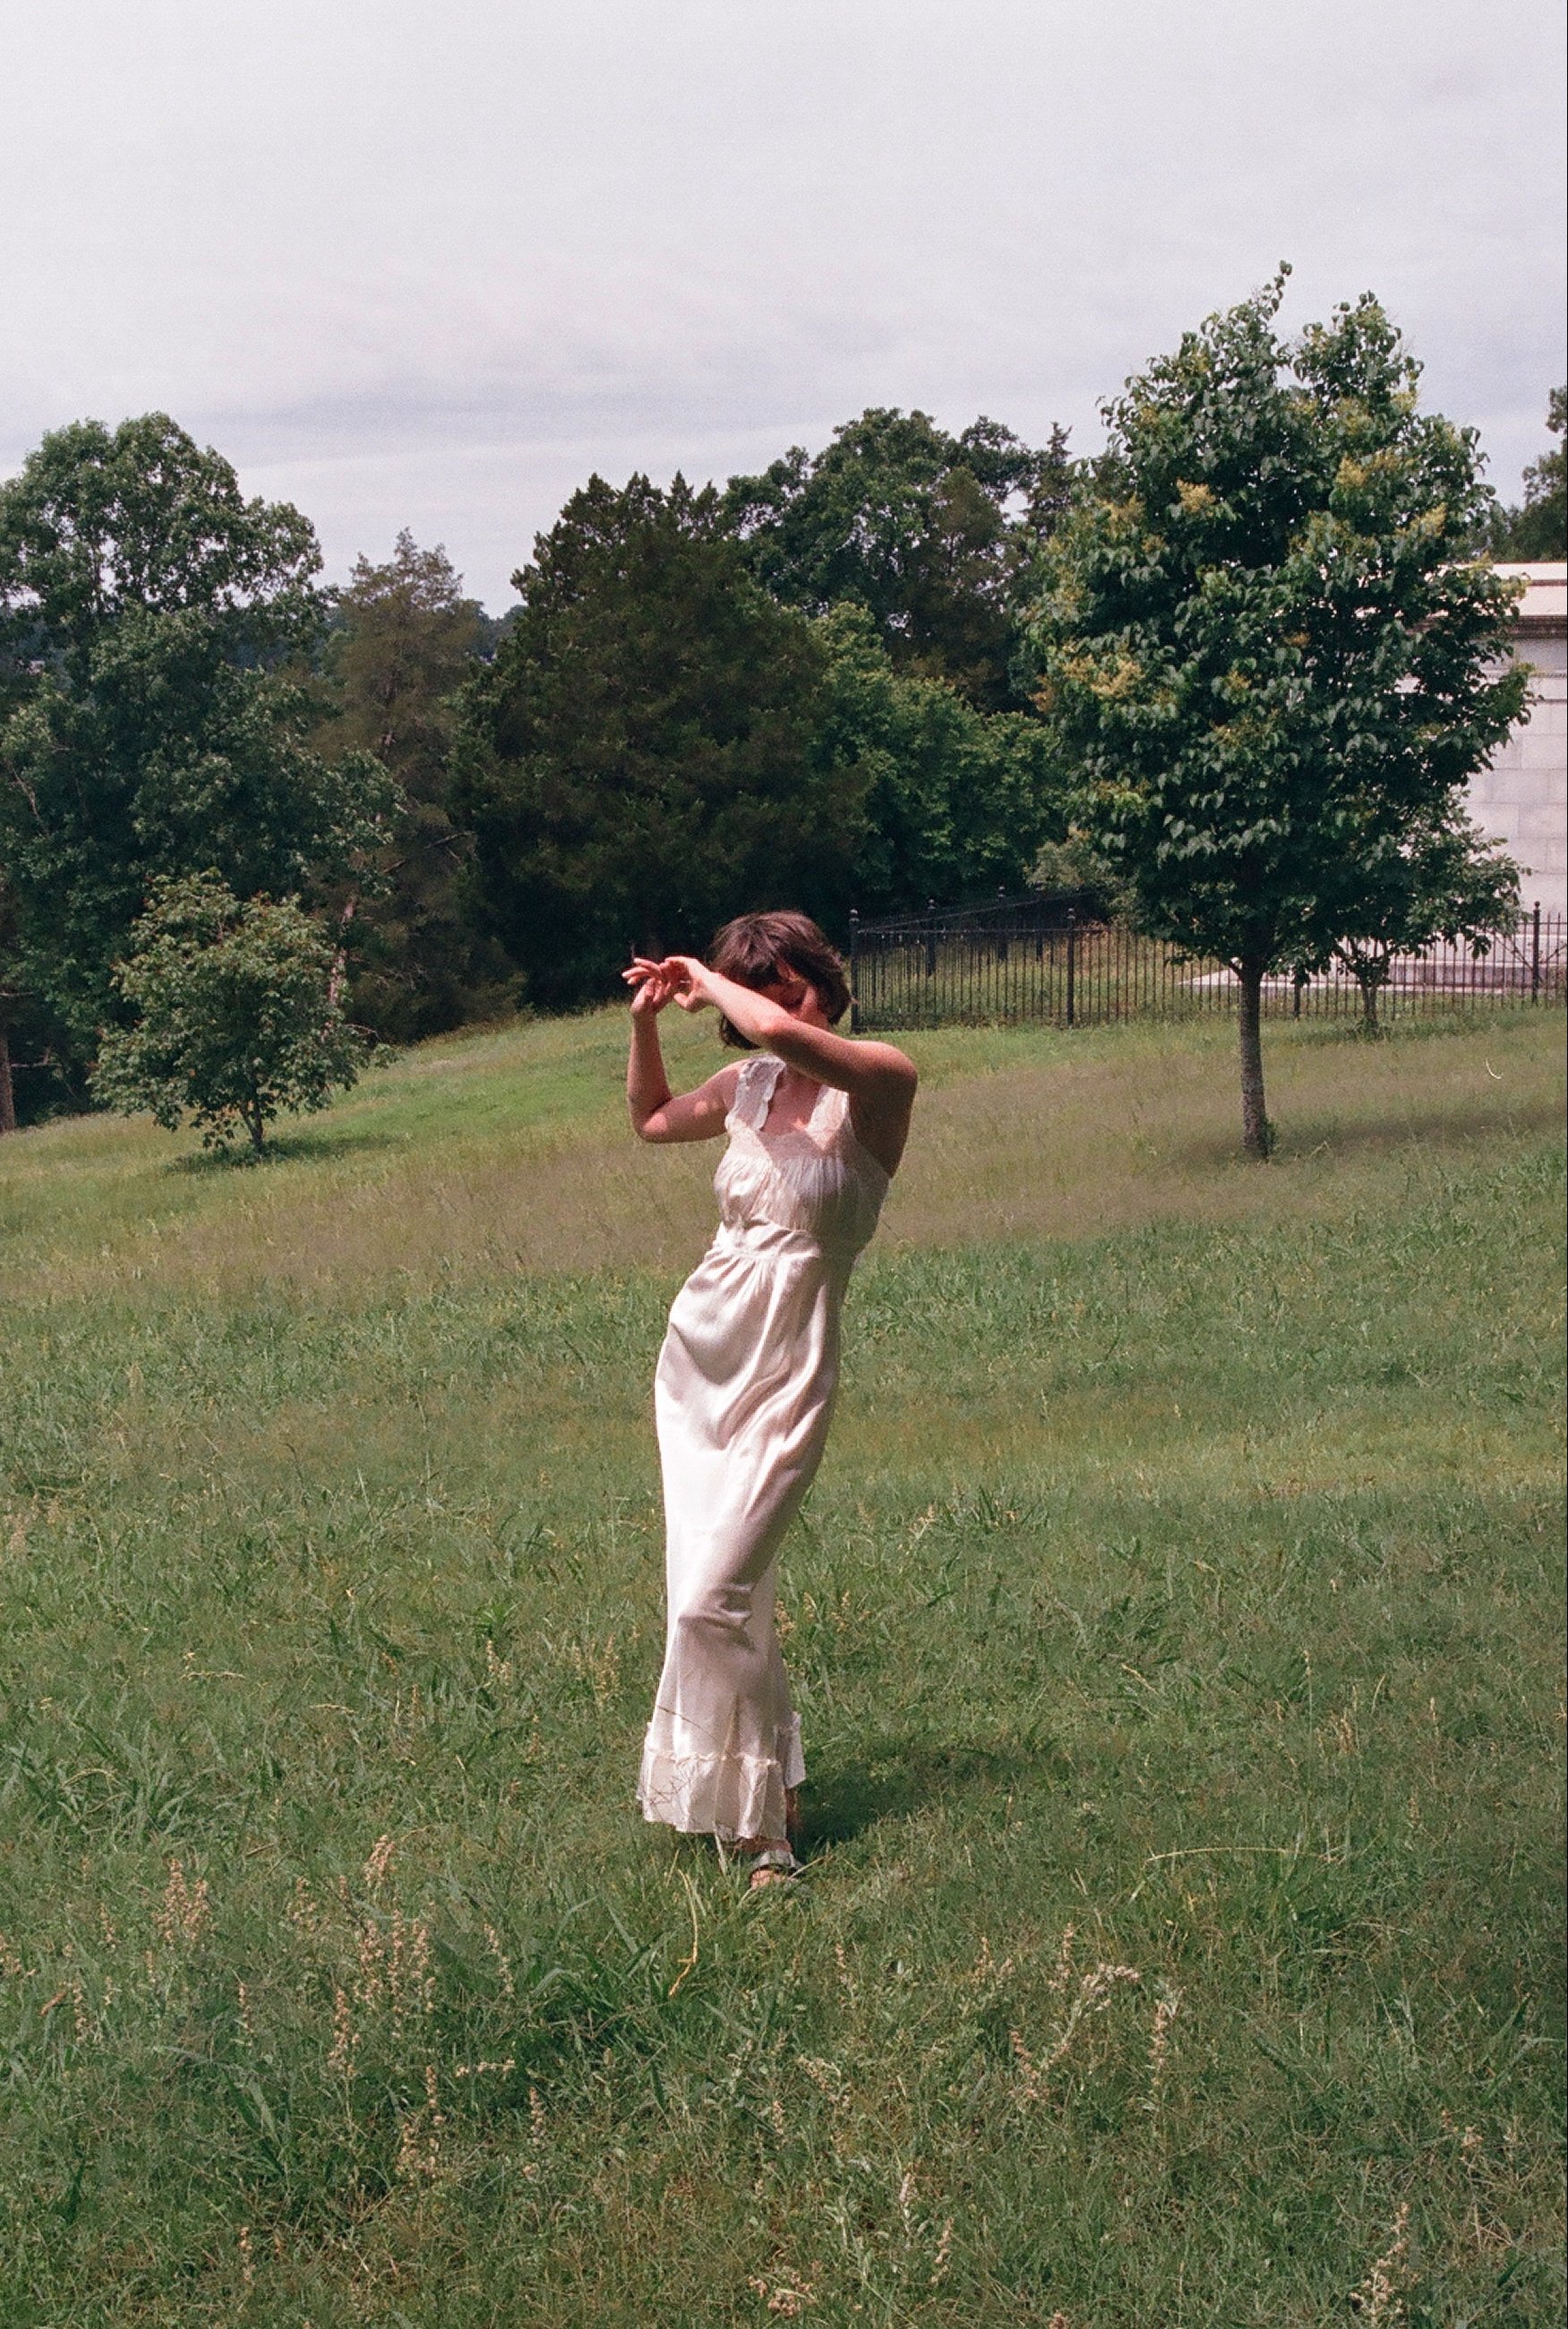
<point x="642" y="759"/>
<point x="403" y="640"/>
<point x="1264" y="647"/>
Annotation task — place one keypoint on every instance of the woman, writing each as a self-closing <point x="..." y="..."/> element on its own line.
<point x="743" y="1392"/>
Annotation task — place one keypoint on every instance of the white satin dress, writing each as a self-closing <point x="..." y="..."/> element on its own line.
<point x="743" y="1398"/>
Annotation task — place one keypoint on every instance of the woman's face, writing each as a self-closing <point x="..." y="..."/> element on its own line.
<point x="796" y="995"/>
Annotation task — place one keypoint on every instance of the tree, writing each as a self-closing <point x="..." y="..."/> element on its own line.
<point x="641" y="760"/>
<point x="929" y="532"/>
<point x="955" y="803"/>
<point x="403" y="640"/>
<point x="1262" y="643"/>
<point x="1538" y="529"/>
<point x="156" y="704"/>
<point x="1446" y="883"/>
<point x="9" y="998"/>
<point x="237" y="1022"/>
<point x="1075" y="872"/>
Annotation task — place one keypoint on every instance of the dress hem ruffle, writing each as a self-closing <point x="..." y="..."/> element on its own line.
<point x="726" y="1796"/>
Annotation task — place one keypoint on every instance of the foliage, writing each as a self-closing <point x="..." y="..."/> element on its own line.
<point x="641" y="760"/>
<point x="9" y="999"/>
<point x="402" y="641"/>
<point x="955" y="802"/>
<point x="927" y="531"/>
<point x="1262" y="645"/>
<point x="1447" y="883"/>
<point x="153" y="626"/>
<point x="1538" y="528"/>
<point x="1184" y="1570"/>
<point x="1075" y="869"/>
<point x="238" y="1017"/>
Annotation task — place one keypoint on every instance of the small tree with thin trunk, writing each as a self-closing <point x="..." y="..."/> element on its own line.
<point x="237" y="1019"/>
<point x="1266" y="652"/>
<point x="1448" y="883"/>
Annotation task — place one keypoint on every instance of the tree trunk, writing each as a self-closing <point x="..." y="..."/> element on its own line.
<point x="335" y="982"/>
<point x="1257" y="1133"/>
<point x="7" y="1090"/>
<point x="1368" y="1005"/>
<point x="256" y="1125"/>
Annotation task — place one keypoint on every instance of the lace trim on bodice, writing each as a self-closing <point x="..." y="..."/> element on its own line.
<point x="817" y="1178"/>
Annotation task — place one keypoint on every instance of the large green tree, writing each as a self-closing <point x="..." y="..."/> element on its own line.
<point x="156" y="631"/>
<point x="927" y="531"/>
<point x="643" y="757"/>
<point x="1263" y="646"/>
<point x="403" y="640"/>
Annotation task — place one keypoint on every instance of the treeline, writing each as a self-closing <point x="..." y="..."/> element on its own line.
<point x="1537" y="526"/>
<point x="907" y="667"/>
<point x="812" y="686"/>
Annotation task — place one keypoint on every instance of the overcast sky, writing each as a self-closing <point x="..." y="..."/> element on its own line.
<point x="431" y="266"/>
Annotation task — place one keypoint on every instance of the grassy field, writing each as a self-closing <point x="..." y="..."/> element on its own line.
<point x="1176" y="1625"/>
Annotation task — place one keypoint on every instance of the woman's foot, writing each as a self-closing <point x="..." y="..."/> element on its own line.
<point x="771" y="1861"/>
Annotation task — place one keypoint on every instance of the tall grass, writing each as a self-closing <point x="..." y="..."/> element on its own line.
<point x="1177" y="1626"/>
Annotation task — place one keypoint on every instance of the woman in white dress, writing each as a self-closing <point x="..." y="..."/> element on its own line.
<point x="743" y="1392"/>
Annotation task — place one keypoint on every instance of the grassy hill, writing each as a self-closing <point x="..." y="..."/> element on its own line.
<point x="1177" y="1626"/>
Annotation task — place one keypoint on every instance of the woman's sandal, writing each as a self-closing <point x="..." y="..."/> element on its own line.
<point x="775" y="1866"/>
<point x="771" y="1863"/>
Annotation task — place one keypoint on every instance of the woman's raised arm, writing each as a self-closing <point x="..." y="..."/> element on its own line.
<point x="656" y="1113"/>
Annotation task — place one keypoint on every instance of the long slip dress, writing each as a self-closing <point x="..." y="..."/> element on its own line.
<point x="743" y="1398"/>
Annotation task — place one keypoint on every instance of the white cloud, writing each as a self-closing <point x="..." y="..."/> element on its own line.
<point x="423" y="267"/>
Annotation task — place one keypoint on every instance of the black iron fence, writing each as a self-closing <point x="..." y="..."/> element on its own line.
<point x="1040" y="959"/>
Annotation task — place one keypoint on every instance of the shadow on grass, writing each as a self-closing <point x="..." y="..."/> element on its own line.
<point x="1305" y="1137"/>
<point x="896" y="1777"/>
<point x="1431" y="1128"/>
<point x="284" y="1148"/>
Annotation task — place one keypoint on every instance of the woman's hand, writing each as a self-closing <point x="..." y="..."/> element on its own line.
<point x="697" y="986"/>
<point x="653" y="984"/>
<point x="680" y="978"/>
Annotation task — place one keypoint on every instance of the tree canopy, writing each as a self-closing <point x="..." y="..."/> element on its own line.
<point x="642" y="759"/>
<point x="155" y="629"/>
<point x="1262" y="644"/>
<point x="955" y="803"/>
<point x="237" y="1020"/>
<point x="1446" y="881"/>
<point x="927" y="531"/>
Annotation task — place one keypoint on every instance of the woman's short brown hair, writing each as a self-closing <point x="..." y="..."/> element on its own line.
<point x="754" y="948"/>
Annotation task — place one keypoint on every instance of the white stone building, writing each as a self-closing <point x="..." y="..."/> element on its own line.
<point x="1522" y="798"/>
